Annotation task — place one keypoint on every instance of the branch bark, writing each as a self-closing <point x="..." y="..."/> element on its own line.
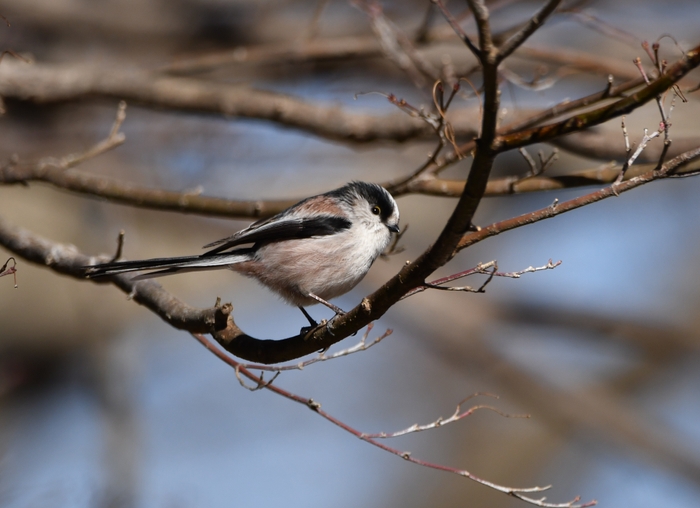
<point x="46" y="83"/>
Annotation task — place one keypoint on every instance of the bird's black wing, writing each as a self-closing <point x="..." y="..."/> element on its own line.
<point x="292" y="228"/>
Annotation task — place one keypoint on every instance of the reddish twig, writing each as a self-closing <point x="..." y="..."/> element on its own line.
<point x="519" y="493"/>
<point x="490" y="269"/>
<point x="441" y="422"/>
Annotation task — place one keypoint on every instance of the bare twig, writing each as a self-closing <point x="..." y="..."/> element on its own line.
<point x="323" y="355"/>
<point x="441" y="422"/>
<point x="313" y="24"/>
<point x="527" y="30"/>
<point x="14" y="54"/>
<point x="490" y="268"/>
<point x="455" y="26"/>
<point x="397" y="46"/>
<point x="601" y="26"/>
<point x="120" y="246"/>
<point x="519" y="493"/>
<point x="595" y="117"/>
<point x="9" y="270"/>
<point x="668" y="170"/>
<point x="642" y="145"/>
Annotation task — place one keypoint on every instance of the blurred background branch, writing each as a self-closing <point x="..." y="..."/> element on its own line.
<point x="237" y="109"/>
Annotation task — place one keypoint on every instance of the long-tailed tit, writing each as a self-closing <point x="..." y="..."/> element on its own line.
<point x="311" y="252"/>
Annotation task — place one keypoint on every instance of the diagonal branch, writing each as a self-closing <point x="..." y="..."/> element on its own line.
<point x="582" y="121"/>
<point x="519" y="493"/>
<point x="218" y="320"/>
<point x="517" y="39"/>
<point x="668" y="170"/>
<point x="396" y="46"/>
<point x="67" y="260"/>
<point x="457" y="29"/>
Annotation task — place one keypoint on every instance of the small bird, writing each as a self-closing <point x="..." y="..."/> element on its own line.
<point x="309" y="253"/>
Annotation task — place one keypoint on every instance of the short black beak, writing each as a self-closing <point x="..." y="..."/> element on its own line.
<point x="394" y="228"/>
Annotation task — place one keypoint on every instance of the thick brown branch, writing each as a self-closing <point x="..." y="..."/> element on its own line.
<point x="567" y="106"/>
<point x="453" y="237"/>
<point x="483" y="25"/>
<point x="217" y="321"/>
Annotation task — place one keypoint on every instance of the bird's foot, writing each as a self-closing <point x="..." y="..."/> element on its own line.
<point x="308" y="331"/>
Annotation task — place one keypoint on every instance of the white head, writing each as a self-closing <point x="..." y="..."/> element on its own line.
<point x="370" y="203"/>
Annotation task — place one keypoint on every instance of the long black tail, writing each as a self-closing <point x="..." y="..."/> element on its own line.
<point x="168" y="266"/>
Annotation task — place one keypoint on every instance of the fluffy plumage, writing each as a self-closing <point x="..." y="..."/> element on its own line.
<point x="313" y="251"/>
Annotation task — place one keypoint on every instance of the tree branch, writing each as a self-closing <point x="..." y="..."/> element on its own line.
<point x="582" y="121"/>
<point x="45" y="83"/>
<point x="52" y="172"/>
<point x="517" y="39"/>
<point x="668" y="170"/>
<point x="518" y="493"/>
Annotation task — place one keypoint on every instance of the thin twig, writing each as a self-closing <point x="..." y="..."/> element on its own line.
<point x="642" y="145"/>
<point x="489" y="268"/>
<point x="9" y="270"/>
<point x="120" y="246"/>
<point x="519" y="493"/>
<point x="455" y="26"/>
<point x="397" y="46"/>
<point x="527" y="30"/>
<point x="322" y="356"/>
<point x="441" y="422"/>
<point x="668" y="170"/>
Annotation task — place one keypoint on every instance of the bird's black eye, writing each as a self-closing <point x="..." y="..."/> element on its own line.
<point x="376" y="210"/>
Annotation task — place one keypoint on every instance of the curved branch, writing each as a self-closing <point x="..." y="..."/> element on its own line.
<point x="67" y="260"/>
<point x="217" y="321"/>
<point x="454" y="237"/>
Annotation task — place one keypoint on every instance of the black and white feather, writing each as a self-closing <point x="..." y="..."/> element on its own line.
<point x="311" y="252"/>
